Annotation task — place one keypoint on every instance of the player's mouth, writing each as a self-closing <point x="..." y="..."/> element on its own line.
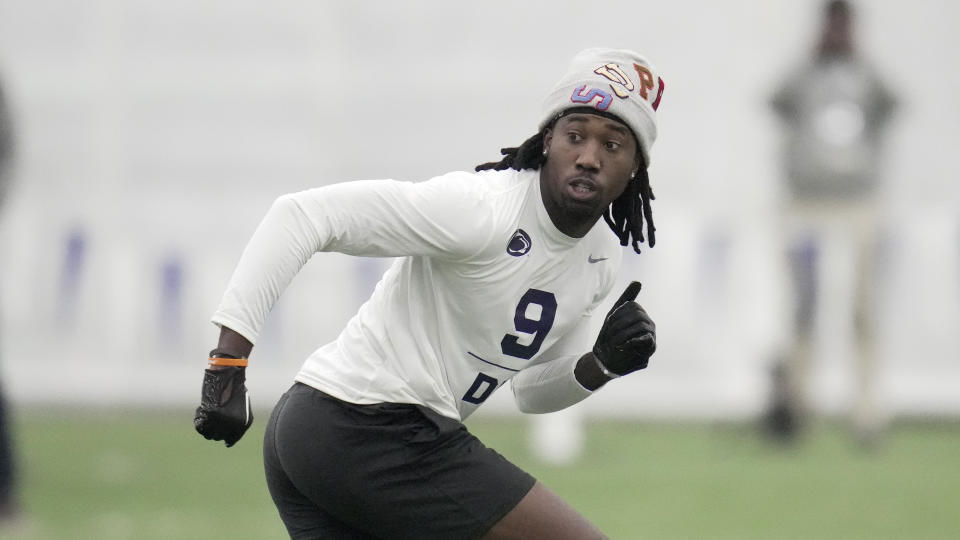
<point x="582" y="189"/>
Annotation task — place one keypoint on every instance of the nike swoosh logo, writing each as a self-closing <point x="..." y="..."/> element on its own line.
<point x="591" y="260"/>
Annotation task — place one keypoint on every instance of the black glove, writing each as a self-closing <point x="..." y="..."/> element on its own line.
<point x="224" y="413"/>
<point x="628" y="337"/>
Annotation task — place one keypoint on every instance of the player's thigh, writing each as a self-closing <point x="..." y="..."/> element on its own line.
<point x="303" y="519"/>
<point x="542" y="514"/>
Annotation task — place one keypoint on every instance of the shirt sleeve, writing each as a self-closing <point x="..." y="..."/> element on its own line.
<point x="784" y="99"/>
<point x="443" y="217"/>
<point x="883" y="104"/>
<point x="551" y="386"/>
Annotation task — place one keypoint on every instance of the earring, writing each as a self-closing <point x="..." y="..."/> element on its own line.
<point x="633" y="175"/>
<point x="544" y="151"/>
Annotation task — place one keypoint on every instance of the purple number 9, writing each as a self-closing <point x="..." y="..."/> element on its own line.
<point x="539" y="327"/>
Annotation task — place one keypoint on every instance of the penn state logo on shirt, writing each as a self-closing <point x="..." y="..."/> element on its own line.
<point x="519" y="244"/>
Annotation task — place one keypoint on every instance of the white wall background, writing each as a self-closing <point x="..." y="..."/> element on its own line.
<point x="157" y="133"/>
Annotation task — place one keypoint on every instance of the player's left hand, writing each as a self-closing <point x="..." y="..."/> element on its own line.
<point x="224" y="413"/>
<point x="628" y="337"/>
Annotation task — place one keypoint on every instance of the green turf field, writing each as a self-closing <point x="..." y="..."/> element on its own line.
<point x="147" y="475"/>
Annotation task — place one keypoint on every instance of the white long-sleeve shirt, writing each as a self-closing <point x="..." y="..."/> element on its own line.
<point x="486" y="289"/>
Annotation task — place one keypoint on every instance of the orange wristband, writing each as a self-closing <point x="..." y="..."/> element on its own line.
<point x="238" y="362"/>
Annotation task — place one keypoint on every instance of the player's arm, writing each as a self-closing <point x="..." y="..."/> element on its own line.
<point x="625" y="343"/>
<point x="281" y="245"/>
<point x="372" y="218"/>
<point x="233" y="344"/>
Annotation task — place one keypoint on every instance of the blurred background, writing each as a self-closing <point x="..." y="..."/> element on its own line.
<point x="149" y="138"/>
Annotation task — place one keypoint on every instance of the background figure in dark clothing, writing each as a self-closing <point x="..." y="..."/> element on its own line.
<point x="833" y="110"/>
<point x="8" y="499"/>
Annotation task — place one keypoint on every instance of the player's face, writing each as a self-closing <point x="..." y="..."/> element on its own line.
<point x="589" y="162"/>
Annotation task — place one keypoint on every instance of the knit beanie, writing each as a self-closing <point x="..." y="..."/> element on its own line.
<point x="616" y="82"/>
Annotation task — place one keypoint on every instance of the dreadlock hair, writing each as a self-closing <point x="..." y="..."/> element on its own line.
<point x="624" y="216"/>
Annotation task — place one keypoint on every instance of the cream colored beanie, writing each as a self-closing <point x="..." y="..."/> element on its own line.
<point x="618" y="82"/>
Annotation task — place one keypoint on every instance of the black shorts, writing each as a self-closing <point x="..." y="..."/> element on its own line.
<point x="340" y="470"/>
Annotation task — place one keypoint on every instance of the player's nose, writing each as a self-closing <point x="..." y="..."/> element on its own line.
<point x="589" y="156"/>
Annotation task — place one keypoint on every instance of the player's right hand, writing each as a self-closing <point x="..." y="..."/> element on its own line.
<point x="224" y="413"/>
<point x="628" y="337"/>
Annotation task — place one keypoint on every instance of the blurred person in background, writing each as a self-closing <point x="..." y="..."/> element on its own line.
<point x="833" y="109"/>
<point x="9" y="508"/>
<point x="500" y="272"/>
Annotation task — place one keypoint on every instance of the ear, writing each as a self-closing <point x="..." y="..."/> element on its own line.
<point x="547" y="139"/>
